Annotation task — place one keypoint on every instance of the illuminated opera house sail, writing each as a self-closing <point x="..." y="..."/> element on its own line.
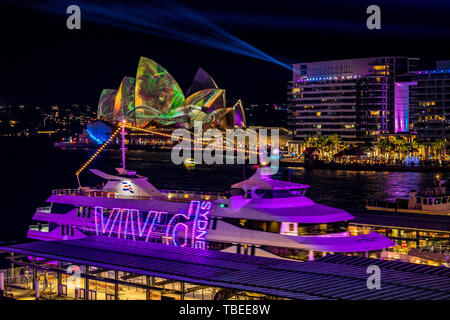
<point x="154" y="98"/>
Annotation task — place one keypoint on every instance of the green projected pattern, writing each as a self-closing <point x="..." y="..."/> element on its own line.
<point x="157" y="92"/>
<point x="205" y="98"/>
<point x="125" y="100"/>
<point x="155" y="98"/>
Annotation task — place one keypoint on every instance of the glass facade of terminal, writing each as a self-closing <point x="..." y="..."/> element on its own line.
<point x="92" y="283"/>
<point x="407" y="239"/>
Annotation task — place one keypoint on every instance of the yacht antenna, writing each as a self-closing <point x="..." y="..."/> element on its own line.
<point x="123" y="142"/>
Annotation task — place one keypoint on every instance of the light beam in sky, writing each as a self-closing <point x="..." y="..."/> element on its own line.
<point x="169" y="20"/>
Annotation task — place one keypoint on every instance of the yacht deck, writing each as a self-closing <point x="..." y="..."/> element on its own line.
<point x="169" y="195"/>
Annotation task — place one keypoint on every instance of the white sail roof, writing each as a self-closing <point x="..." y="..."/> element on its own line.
<point x="128" y="185"/>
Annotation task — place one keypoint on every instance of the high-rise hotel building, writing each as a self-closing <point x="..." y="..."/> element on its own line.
<point x="356" y="99"/>
<point x="430" y="103"/>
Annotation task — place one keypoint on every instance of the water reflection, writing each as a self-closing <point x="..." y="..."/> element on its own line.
<point x="351" y="188"/>
<point x="340" y="188"/>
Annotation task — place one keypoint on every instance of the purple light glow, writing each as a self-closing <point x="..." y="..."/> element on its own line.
<point x="121" y="219"/>
<point x="201" y="219"/>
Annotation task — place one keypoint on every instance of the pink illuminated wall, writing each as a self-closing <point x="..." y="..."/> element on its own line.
<point x="401" y="107"/>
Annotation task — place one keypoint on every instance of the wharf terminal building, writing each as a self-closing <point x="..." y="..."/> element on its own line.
<point x="103" y="268"/>
<point x="359" y="99"/>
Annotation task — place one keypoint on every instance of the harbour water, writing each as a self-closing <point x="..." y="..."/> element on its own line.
<point x="32" y="168"/>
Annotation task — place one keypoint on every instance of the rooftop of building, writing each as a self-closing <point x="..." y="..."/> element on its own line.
<point x="354" y="60"/>
<point x="331" y="277"/>
<point x="433" y="71"/>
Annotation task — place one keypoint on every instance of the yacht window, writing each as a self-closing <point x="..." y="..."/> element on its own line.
<point x="267" y="226"/>
<point x="283" y="193"/>
<point x="298" y="192"/>
<point x="437" y="201"/>
<point x="444" y="200"/>
<point x="164" y="218"/>
<point x="288" y="193"/>
<point x="425" y="201"/>
<point x="40" y="226"/>
<point x="291" y="227"/>
<point x="237" y="192"/>
<point x="260" y="225"/>
<point x="265" y="194"/>
<point x="62" y="208"/>
<point x="418" y="200"/>
<point x="322" y="228"/>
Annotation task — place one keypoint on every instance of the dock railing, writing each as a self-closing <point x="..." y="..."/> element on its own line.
<point x="169" y="195"/>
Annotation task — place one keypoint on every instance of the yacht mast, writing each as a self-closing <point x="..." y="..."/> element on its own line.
<point x="123" y="142"/>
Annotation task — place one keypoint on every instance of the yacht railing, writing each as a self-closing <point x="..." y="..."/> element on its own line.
<point x="170" y="195"/>
<point x="194" y="194"/>
<point x="82" y="192"/>
<point x="44" y="227"/>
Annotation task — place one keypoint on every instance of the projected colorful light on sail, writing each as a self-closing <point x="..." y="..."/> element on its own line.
<point x="155" y="98"/>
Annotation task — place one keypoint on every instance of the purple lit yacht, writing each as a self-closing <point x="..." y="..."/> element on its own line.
<point x="260" y="216"/>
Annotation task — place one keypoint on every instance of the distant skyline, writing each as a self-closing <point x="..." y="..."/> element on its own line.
<point x="44" y="63"/>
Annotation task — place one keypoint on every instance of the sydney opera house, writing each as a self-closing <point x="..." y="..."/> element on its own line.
<point x="154" y="99"/>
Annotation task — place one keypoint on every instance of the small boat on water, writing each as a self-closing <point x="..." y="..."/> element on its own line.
<point x="434" y="201"/>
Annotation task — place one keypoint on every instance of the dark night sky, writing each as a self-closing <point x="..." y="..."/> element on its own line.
<point x="44" y="63"/>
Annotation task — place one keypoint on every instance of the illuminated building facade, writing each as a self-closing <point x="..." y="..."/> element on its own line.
<point x="352" y="98"/>
<point x="154" y="99"/>
<point x="430" y="103"/>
